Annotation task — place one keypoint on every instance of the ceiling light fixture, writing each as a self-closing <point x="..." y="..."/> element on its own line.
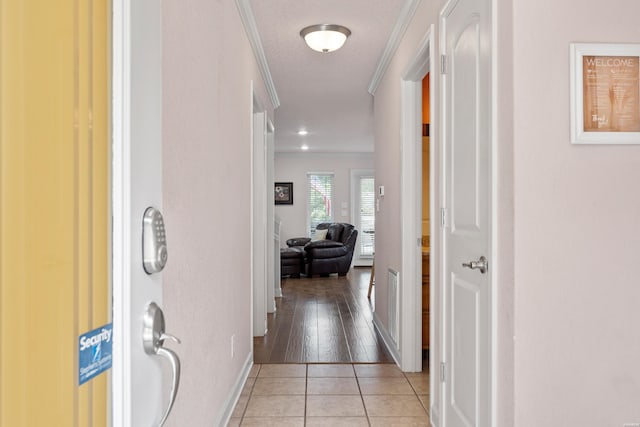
<point x="325" y="37"/>
<point x="304" y="147"/>
<point x="302" y="132"/>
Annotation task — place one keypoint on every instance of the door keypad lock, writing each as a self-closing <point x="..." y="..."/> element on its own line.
<point x="153" y="338"/>
<point x="154" y="241"/>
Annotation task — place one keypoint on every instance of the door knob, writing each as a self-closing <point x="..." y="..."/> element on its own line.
<point x="153" y="338"/>
<point x="482" y="264"/>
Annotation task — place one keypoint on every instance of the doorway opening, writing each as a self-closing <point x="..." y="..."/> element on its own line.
<point x="425" y="238"/>
<point x="421" y="245"/>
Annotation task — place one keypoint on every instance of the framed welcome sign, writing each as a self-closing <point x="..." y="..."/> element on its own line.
<point x="605" y="93"/>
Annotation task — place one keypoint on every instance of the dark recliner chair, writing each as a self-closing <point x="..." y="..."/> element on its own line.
<point x="332" y="255"/>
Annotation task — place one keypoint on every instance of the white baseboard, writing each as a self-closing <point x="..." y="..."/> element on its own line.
<point x="231" y="402"/>
<point x="435" y="416"/>
<point x="386" y="338"/>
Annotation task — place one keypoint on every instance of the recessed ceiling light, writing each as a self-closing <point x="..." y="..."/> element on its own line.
<point x="325" y="37"/>
<point x="304" y="147"/>
<point x="302" y="132"/>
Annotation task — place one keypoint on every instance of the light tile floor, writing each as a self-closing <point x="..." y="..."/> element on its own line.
<point x="349" y="395"/>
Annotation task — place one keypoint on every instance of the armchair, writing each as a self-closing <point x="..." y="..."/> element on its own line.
<point x="332" y="255"/>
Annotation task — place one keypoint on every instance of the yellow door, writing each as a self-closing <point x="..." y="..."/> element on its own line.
<point x="54" y="208"/>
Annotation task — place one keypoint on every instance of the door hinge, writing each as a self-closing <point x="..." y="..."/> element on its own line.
<point x="419" y="242"/>
<point x="443" y="217"/>
<point x="443" y="64"/>
<point x="443" y="372"/>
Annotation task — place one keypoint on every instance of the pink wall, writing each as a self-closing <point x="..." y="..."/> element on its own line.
<point x="577" y="231"/>
<point x="293" y="167"/>
<point x="207" y="71"/>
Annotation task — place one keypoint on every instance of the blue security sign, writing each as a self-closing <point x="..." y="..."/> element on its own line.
<point x="95" y="352"/>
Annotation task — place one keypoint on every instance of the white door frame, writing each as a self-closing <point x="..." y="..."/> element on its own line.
<point x="355" y="176"/>
<point x="259" y="241"/>
<point x="411" y="205"/>
<point x="120" y="385"/>
<point x="119" y="246"/>
<point x="272" y="283"/>
<point x="421" y="63"/>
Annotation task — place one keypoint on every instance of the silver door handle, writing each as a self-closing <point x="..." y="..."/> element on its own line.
<point x="482" y="264"/>
<point x="153" y="338"/>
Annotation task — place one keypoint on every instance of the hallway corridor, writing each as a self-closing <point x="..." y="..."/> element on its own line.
<point x="325" y="320"/>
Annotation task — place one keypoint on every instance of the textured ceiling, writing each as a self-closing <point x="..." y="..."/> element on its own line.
<point x="324" y="93"/>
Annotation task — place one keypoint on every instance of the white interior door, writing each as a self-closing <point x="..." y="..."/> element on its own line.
<point x="466" y="37"/>
<point x="139" y="390"/>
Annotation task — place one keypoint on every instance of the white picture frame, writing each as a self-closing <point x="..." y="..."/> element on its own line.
<point x="605" y="93"/>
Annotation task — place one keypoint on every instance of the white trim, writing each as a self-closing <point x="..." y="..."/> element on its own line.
<point x="411" y="203"/>
<point x="442" y="317"/>
<point x="273" y="283"/>
<point x="232" y="400"/>
<point x="259" y="226"/>
<point x="252" y="101"/>
<point x="498" y="201"/>
<point x="120" y="199"/>
<point x="246" y="15"/>
<point x="410" y="214"/>
<point x="400" y="27"/>
<point x="422" y="58"/>
<point x="386" y="338"/>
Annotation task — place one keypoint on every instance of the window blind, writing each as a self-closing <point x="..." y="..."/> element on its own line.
<point x="319" y="199"/>
<point x="367" y="216"/>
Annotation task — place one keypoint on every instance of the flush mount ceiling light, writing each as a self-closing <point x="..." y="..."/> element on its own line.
<point x="325" y="37"/>
<point x="302" y="132"/>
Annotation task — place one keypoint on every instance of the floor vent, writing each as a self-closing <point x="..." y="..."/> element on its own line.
<point x="394" y="308"/>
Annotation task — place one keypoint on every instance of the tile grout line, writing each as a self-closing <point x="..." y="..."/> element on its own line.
<point x="425" y="407"/>
<point x="366" y="413"/>
<point x="306" y="390"/>
<point x="344" y="332"/>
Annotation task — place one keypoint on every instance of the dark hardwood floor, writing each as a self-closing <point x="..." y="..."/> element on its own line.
<point x="322" y="319"/>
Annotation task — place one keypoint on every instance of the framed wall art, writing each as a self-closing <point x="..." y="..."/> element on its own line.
<point x="283" y="193"/>
<point x="605" y="93"/>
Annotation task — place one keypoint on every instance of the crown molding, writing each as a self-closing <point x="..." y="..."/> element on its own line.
<point x="400" y="27"/>
<point x="246" y="14"/>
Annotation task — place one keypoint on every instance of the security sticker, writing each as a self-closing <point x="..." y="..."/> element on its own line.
<point x="95" y="352"/>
